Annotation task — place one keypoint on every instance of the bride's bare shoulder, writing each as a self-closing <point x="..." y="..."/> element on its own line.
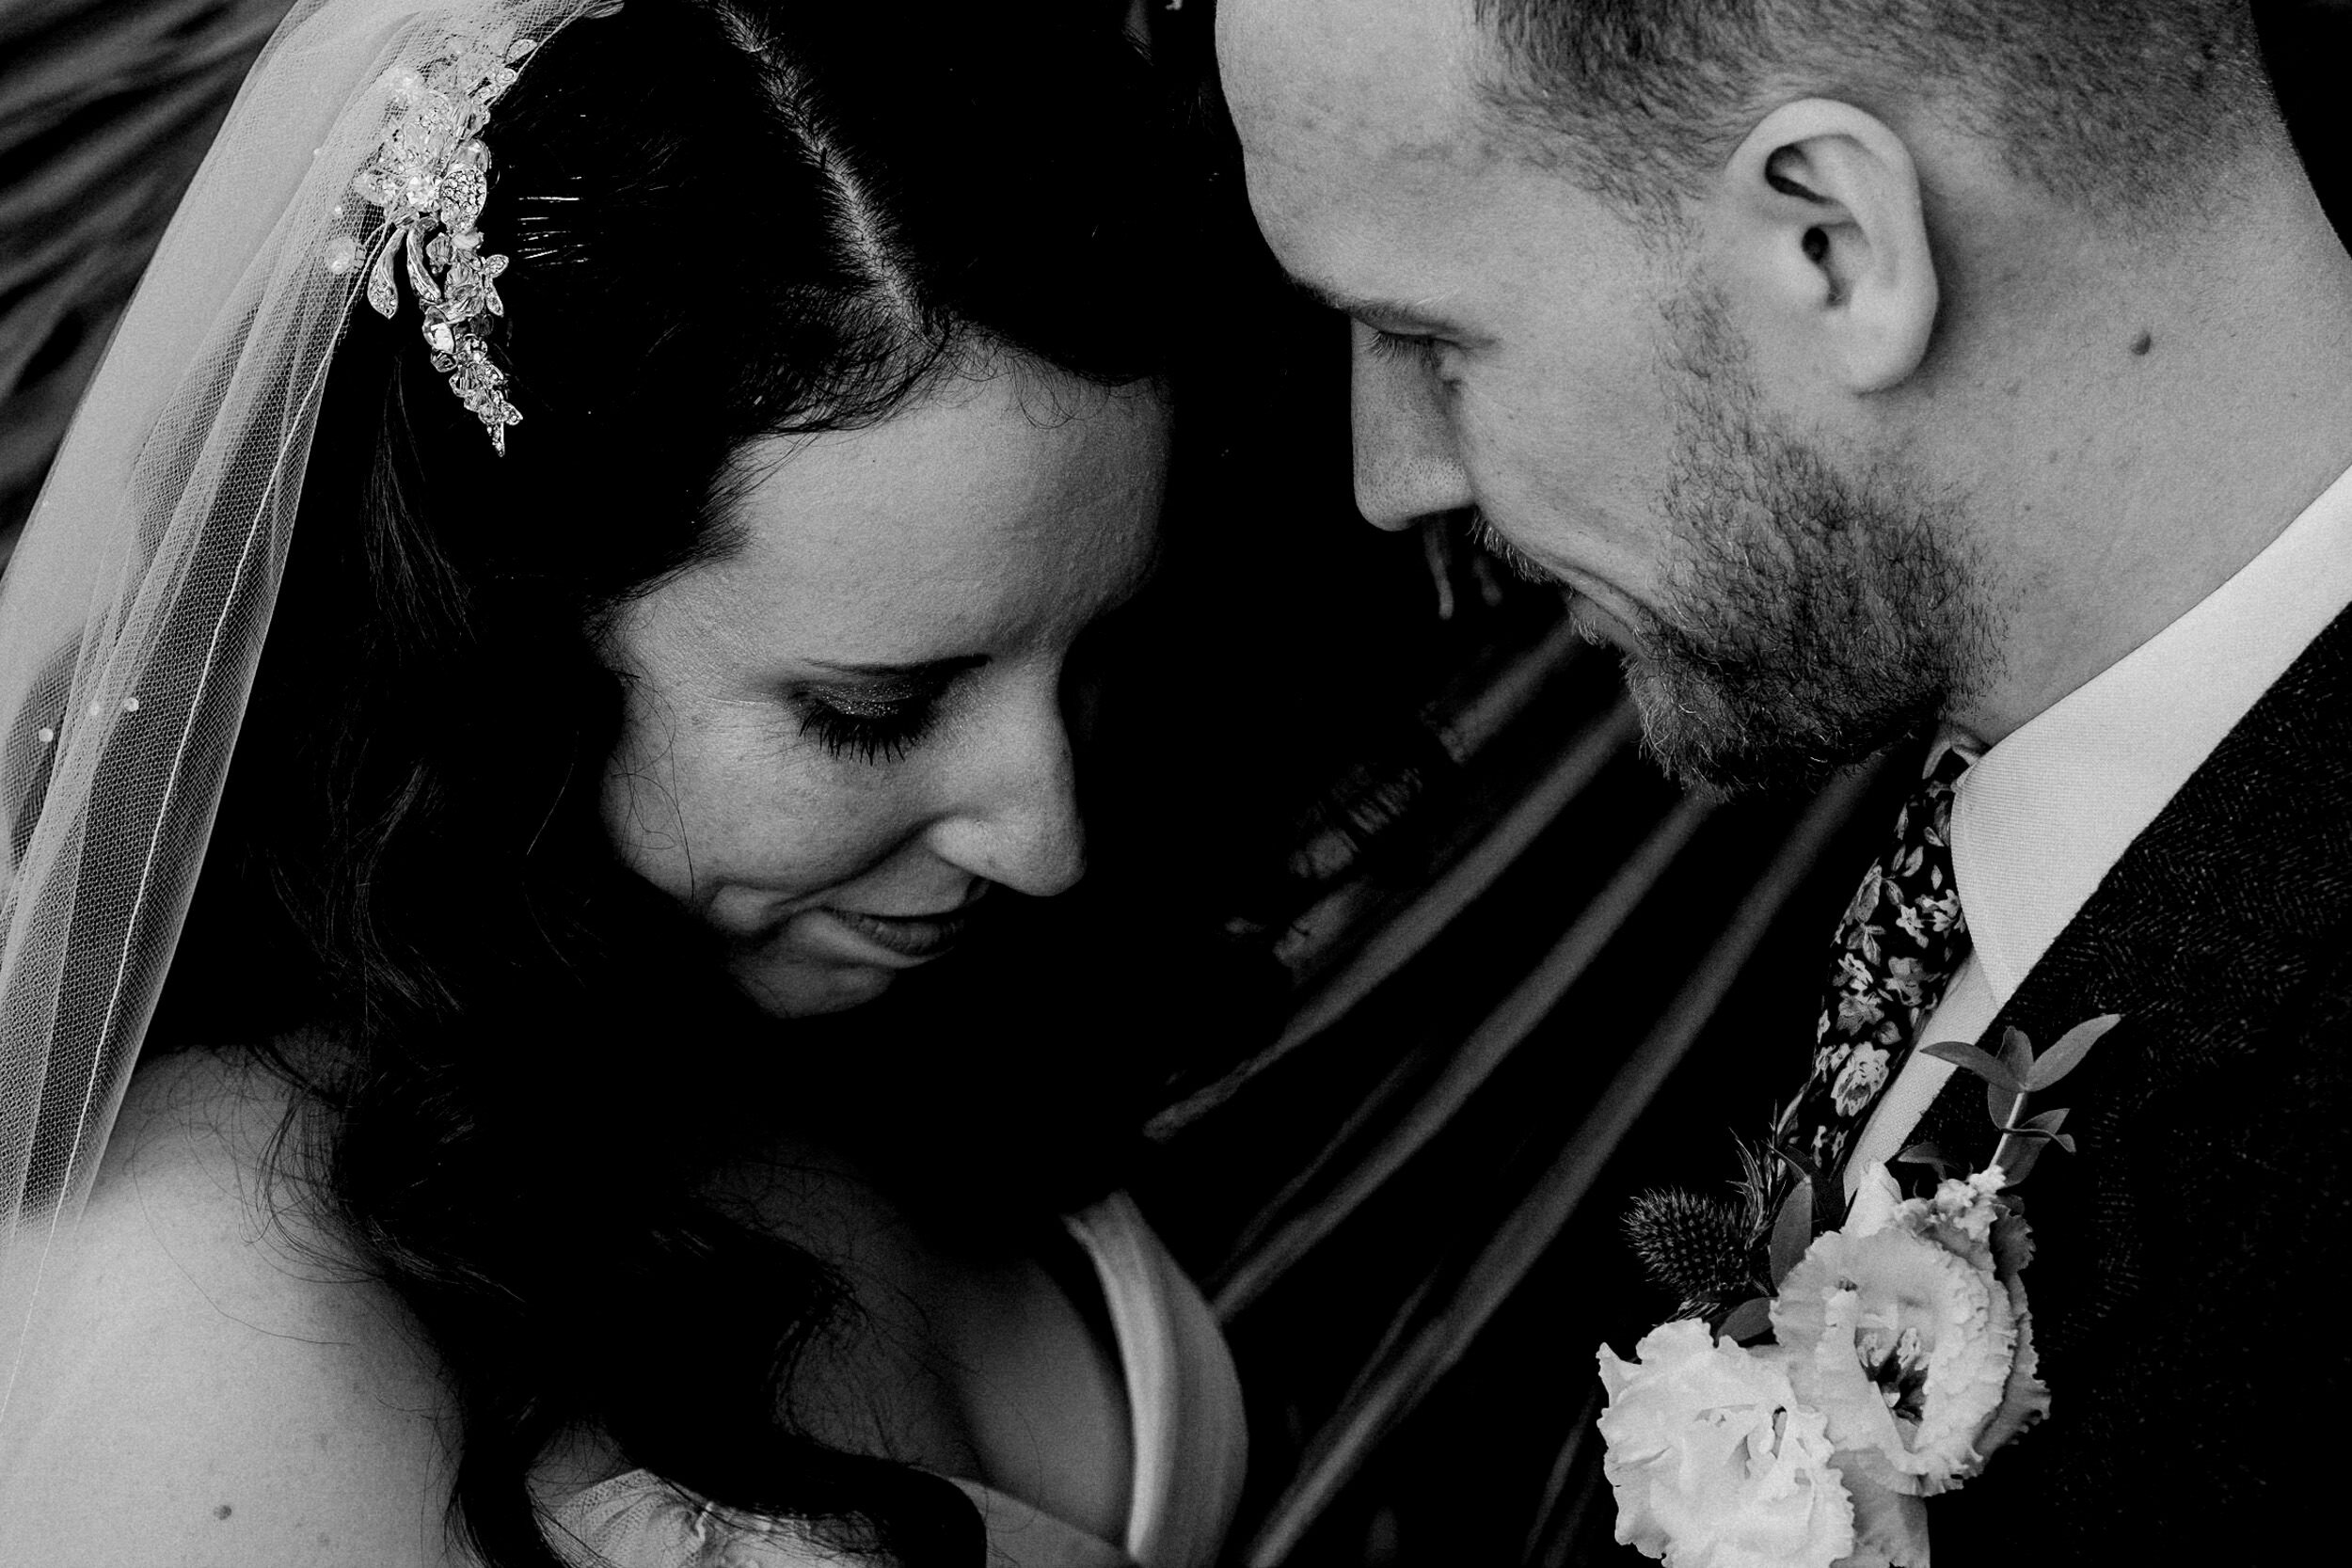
<point x="206" y="1384"/>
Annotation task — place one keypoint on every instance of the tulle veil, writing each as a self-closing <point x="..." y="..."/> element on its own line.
<point x="134" y="610"/>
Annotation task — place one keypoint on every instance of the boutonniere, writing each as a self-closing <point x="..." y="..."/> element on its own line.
<point x="1874" y="1353"/>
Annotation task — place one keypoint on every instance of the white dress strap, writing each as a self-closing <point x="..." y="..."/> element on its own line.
<point x="1190" y="1443"/>
<point x="1191" y="1434"/>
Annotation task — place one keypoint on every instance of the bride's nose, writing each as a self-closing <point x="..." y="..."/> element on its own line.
<point x="1012" y="815"/>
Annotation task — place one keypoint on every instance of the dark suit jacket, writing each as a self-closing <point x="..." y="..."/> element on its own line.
<point x="2190" y="1291"/>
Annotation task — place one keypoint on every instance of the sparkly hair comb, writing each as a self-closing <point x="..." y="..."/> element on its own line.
<point x="430" y="175"/>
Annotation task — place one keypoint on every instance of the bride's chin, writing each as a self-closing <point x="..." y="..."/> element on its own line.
<point x="803" y="989"/>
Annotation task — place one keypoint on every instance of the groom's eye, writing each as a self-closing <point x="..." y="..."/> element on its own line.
<point x="1405" y="347"/>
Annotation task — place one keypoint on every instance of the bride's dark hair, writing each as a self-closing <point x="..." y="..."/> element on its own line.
<point x="519" y="1064"/>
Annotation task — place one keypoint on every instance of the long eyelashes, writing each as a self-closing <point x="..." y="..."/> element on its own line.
<point x="874" y="732"/>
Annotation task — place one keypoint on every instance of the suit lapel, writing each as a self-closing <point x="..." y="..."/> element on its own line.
<point x="2235" y="899"/>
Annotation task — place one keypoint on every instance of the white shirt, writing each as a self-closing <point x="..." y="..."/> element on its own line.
<point x="2042" y="817"/>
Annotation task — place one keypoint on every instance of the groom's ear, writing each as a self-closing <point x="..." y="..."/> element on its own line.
<point x="1819" y="214"/>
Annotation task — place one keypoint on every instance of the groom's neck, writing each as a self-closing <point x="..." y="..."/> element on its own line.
<point x="2136" y="419"/>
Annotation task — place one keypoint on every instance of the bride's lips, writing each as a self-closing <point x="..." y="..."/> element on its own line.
<point x="896" y="940"/>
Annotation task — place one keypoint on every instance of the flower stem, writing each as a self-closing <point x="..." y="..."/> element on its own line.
<point x="2015" y="1117"/>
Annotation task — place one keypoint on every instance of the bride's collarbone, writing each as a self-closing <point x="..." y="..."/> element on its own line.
<point x="989" y="1359"/>
<point x="214" y="1385"/>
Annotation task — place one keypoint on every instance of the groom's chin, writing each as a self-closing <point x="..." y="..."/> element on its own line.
<point x="1715" y="745"/>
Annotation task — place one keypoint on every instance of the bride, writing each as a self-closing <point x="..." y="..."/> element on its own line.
<point x="672" y="449"/>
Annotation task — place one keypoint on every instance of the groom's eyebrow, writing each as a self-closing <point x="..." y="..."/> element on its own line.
<point x="1389" y="315"/>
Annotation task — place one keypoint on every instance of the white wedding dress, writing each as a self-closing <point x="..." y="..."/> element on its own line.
<point x="1188" y="1435"/>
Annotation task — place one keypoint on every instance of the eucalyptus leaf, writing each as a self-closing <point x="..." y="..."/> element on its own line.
<point x="2073" y="1046"/>
<point x="1981" y="1063"/>
<point x="1751" y="1320"/>
<point x="1792" y="1231"/>
<point x="2048" y="1121"/>
<point x="1798" y="1160"/>
<point x="2023" y="1153"/>
<point x="2064" y="1140"/>
<point x="1926" y="1154"/>
<point x="2002" y="1104"/>
<point x="2017" y="1055"/>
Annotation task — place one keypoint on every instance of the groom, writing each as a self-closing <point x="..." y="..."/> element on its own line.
<point x="1983" y="365"/>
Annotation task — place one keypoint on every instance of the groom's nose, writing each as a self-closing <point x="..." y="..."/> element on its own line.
<point x="1406" y="467"/>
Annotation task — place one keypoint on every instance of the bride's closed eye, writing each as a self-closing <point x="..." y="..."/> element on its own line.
<point x="874" y="727"/>
<point x="877" y="713"/>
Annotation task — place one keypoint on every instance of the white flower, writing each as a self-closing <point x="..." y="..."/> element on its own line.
<point x="1890" y="1528"/>
<point x="1875" y="1199"/>
<point x="1960" y="1216"/>
<point x="1897" y="1329"/>
<point x="1714" y="1461"/>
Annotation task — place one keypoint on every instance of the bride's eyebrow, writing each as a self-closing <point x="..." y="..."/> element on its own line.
<point x="930" y="670"/>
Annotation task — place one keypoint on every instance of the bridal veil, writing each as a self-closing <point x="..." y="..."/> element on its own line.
<point x="134" y="610"/>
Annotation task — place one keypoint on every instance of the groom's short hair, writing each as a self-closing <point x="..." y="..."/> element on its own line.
<point x="2124" y="108"/>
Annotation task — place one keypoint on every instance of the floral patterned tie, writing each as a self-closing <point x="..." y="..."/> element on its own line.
<point x="1900" y="941"/>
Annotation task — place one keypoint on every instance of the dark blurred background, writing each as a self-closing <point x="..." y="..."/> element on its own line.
<point x="1423" y="969"/>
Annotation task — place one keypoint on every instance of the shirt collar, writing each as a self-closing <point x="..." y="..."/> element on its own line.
<point x="2042" y="817"/>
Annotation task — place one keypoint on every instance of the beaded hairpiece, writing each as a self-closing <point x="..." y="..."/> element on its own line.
<point x="430" y="174"/>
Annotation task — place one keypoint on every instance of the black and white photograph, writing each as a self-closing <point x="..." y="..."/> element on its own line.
<point x="1174" y="783"/>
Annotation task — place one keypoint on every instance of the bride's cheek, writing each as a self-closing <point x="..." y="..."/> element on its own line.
<point x="790" y="848"/>
<point x="745" y="831"/>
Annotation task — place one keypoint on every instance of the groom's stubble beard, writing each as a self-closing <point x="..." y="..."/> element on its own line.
<point x="1812" y="613"/>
